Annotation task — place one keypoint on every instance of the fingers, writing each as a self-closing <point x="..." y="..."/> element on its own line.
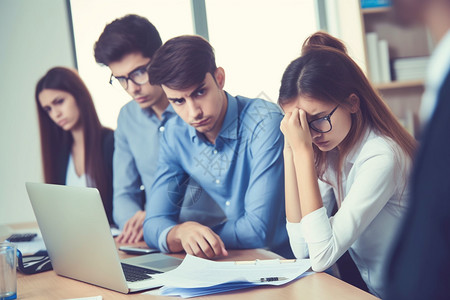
<point x="207" y="246"/>
<point x="124" y="237"/>
<point x="125" y="234"/>
<point x="303" y="120"/>
<point x="283" y="124"/>
<point x="119" y="238"/>
<point x="136" y="235"/>
<point x="294" y="117"/>
<point x="133" y="231"/>
<point x="290" y="122"/>
<point x="187" y="248"/>
<point x="203" y="242"/>
<point x="213" y="245"/>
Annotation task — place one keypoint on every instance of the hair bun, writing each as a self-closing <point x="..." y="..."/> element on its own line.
<point x="322" y="39"/>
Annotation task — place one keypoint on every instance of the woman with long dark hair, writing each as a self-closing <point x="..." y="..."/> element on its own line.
<point x="76" y="149"/>
<point x="343" y="147"/>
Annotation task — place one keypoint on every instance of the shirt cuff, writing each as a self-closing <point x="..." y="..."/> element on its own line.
<point x="316" y="226"/>
<point x="297" y="241"/>
<point x="162" y="241"/>
<point x="294" y="230"/>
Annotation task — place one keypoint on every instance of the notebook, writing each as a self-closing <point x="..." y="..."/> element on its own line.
<point x="78" y="239"/>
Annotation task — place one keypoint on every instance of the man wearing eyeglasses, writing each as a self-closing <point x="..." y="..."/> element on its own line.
<point x="126" y="46"/>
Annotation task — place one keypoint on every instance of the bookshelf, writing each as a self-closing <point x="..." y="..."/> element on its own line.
<point x="397" y="69"/>
<point x="375" y="10"/>
<point x="399" y="84"/>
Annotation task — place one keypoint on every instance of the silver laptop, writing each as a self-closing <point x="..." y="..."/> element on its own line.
<point x="79" y="242"/>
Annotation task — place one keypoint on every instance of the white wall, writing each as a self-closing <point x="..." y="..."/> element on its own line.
<point x="345" y="22"/>
<point x="89" y="20"/>
<point x="255" y="53"/>
<point x="34" y="36"/>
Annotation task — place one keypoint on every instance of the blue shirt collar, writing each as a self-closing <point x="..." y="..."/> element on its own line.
<point x="169" y="110"/>
<point x="166" y="114"/>
<point x="229" y="128"/>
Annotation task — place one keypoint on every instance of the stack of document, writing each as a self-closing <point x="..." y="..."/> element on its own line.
<point x="197" y="277"/>
<point x="410" y="68"/>
<point x="33" y="246"/>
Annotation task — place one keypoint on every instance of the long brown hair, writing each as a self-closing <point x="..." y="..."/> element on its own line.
<point x="326" y="72"/>
<point x="55" y="141"/>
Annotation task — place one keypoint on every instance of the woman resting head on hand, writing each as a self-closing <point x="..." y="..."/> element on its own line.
<point x="344" y="147"/>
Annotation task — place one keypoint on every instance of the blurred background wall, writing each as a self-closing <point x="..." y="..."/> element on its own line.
<point x="34" y="35"/>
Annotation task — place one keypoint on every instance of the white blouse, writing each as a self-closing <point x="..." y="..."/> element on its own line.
<point x="72" y="177"/>
<point x="374" y="179"/>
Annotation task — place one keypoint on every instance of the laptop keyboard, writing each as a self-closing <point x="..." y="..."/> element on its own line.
<point x="135" y="273"/>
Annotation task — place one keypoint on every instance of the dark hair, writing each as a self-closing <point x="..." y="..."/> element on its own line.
<point x="182" y="62"/>
<point x="325" y="72"/>
<point x="54" y="140"/>
<point x="126" y="35"/>
<point x="322" y="39"/>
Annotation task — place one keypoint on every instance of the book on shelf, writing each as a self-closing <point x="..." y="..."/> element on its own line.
<point x="410" y="68"/>
<point x="402" y="76"/>
<point x="378" y="57"/>
<point x="375" y="3"/>
<point x="385" y="70"/>
<point x="372" y="53"/>
<point x="408" y="62"/>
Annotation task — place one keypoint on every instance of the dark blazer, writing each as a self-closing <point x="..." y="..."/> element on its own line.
<point x="107" y="150"/>
<point x="420" y="266"/>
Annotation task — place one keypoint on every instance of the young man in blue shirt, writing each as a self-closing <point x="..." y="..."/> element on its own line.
<point x="231" y="146"/>
<point x="126" y="46"/>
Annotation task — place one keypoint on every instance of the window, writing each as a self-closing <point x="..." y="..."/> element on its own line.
<point x="170" y="17"/>
<point x="254" y="41"/>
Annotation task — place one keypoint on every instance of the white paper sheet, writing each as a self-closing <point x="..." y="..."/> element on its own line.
<point x="33" y="246"/>
<point x="196" y="276"/>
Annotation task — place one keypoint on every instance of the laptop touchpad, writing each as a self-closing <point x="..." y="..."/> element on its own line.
<point x="163" y="265"/>
<point x="155" y="261"/>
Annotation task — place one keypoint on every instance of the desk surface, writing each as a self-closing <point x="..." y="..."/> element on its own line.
<point x="48" y="285"/>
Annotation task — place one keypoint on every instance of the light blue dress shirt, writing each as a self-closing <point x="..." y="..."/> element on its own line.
<point x="136" y="149"/>
<point x="243" y="172"/>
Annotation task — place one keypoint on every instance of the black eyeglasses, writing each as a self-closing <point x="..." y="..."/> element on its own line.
<point x="138" y="76"/>
<point x="322" y="125"/>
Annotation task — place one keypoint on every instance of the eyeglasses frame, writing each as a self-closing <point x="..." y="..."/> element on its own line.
<point x="327" y="117"/>
<point x="112" y="77"/>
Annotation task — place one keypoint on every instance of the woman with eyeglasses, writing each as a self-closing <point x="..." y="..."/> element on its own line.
<point x="76" y="149"/>
<point x="343" y="147"/>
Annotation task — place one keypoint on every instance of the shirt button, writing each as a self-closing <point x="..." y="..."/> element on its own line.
<point x="217" y="181"/>
<point x="227" y="203"/>
<point x="215" y="151"/>
<point x="142" y="187"/>
<point x="161" y="129"/>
